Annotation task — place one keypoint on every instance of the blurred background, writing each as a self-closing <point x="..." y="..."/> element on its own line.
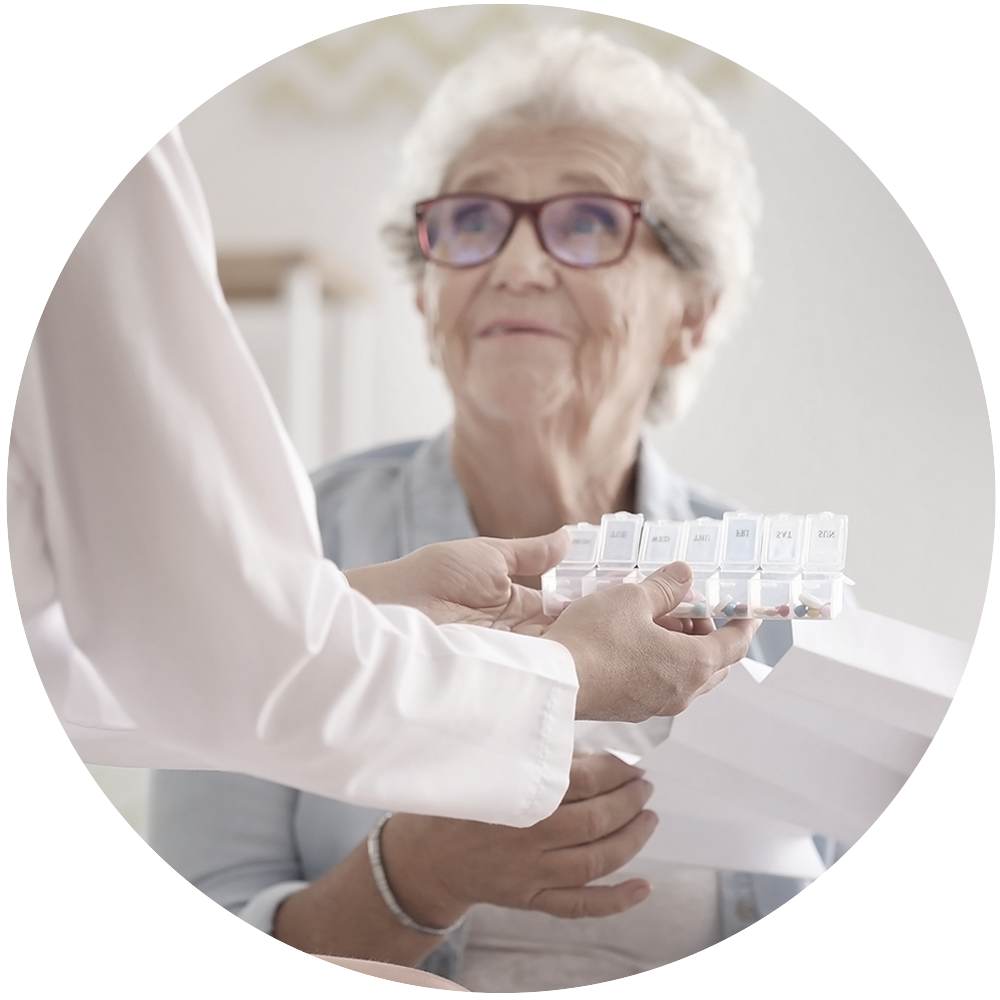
<point x="849" y="386"/>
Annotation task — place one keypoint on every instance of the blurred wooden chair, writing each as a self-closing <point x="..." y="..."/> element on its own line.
<point x="305" y="282"/>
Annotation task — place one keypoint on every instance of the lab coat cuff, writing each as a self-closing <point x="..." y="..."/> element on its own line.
<point x="556" y="742"/>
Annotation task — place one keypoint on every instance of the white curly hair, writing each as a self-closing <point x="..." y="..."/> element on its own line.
<point x="697" y="171"/>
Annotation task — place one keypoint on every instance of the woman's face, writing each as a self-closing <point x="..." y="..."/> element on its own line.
<point x="524" y="337"/>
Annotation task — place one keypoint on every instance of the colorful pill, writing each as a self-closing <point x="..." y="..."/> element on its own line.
<point x="813" y="612"/>
<point x="699" y="610"/>
<point x="741" y="609"/>
<point x="826" y="611"/>
<point x="800" y="611"/>
<point x="783" y="611"/>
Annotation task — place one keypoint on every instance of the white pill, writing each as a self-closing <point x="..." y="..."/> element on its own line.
<point x="811" y="600"/>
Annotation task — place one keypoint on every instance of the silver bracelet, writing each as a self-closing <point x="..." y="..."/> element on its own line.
<point x="382" y="884"/>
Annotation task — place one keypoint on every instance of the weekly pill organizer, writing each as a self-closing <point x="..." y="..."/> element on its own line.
<point x="744" y="565"/>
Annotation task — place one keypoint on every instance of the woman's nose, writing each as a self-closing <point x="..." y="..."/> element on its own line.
<point x="523" y="264"/>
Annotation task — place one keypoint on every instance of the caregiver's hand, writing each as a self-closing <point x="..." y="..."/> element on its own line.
<point x="630" y="667"/>
<point x="468" y="581"/>
<point x="438" y="868"/>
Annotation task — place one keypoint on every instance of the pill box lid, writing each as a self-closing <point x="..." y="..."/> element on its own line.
<point x="703" y="544"/>
<point x="662" y="543"/>
<point x="741" y="538"/>
<point x="618" y="547"/>
<point x="583" y="546"/>
<point x="825" y="543"/>
<point x="782" y="548"/>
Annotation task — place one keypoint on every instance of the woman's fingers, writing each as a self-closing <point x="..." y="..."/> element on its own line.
<point x="583" y="840"/>
<point x="592" y="900"/>
<point x="580" y="865"/>
<point x="595" y="774"/>
<point x="594" y="821"/>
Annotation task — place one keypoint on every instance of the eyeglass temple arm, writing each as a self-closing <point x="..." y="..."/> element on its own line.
<point x="675" y="247"/>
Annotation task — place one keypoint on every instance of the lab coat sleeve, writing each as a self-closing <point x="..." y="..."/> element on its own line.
<point x="160" y="519"/>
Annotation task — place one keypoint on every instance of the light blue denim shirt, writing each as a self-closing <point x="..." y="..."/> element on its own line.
<point x="248" y="843"/>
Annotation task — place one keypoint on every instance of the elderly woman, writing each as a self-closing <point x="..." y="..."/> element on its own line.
<point x="578" y="226"/>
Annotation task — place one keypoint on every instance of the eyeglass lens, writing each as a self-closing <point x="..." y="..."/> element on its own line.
<point x="580" y="230"/>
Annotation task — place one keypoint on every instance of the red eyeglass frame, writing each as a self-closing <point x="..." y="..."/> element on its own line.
<point x="671" y="243"/>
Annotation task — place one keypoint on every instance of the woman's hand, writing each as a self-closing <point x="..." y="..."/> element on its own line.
<point x="439" y="867"/>
<point x="468" y="581"/>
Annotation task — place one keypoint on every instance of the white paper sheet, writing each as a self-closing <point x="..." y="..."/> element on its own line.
<point x="874" y="667"/>
<point x="820" y="744"/>
<point x="699" y="827"/>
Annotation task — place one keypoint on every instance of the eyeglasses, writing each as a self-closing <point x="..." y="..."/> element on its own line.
<point x="579" y="230"/>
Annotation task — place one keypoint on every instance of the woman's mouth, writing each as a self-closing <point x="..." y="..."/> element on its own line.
<point x="518" y="327"/>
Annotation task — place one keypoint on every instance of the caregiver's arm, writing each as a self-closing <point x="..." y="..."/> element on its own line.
<point x="629" y="665"/>
<point x="468" y="580"/>
<point x="158" y="506"/>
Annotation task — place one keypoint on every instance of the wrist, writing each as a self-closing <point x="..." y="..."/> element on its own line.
<point x="588" y="703"/>
<point x="412" y="876"/>
<point x="370" y="581"/>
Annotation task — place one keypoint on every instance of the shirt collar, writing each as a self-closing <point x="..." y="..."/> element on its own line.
<point x="660" y="493"/>
<point x="436" y="508"/>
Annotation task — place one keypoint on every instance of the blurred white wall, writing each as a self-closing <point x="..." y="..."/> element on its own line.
<point x="850" y="386"/>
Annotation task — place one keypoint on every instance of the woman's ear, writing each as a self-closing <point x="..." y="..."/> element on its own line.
<point x="697" y="312"/>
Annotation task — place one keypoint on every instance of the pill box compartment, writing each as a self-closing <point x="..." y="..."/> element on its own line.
<point x="563" y="584"/>
<point x="700" y="599"/>
<point x="560" y="587"/>
<point x="821" y="596"/>
<point x="777" y="596"/>
<point x="702" y="552"/>
<point x="738" y="595"/>
<point x="617" y="551"/>
<point x="739" y="577"/>
<point x="601" y="579"/>
<point x="662" y="543"/>
<point x="781" y="565"/>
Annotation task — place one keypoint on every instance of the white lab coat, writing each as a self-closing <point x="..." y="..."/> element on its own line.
<point x="168" y="567"/>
